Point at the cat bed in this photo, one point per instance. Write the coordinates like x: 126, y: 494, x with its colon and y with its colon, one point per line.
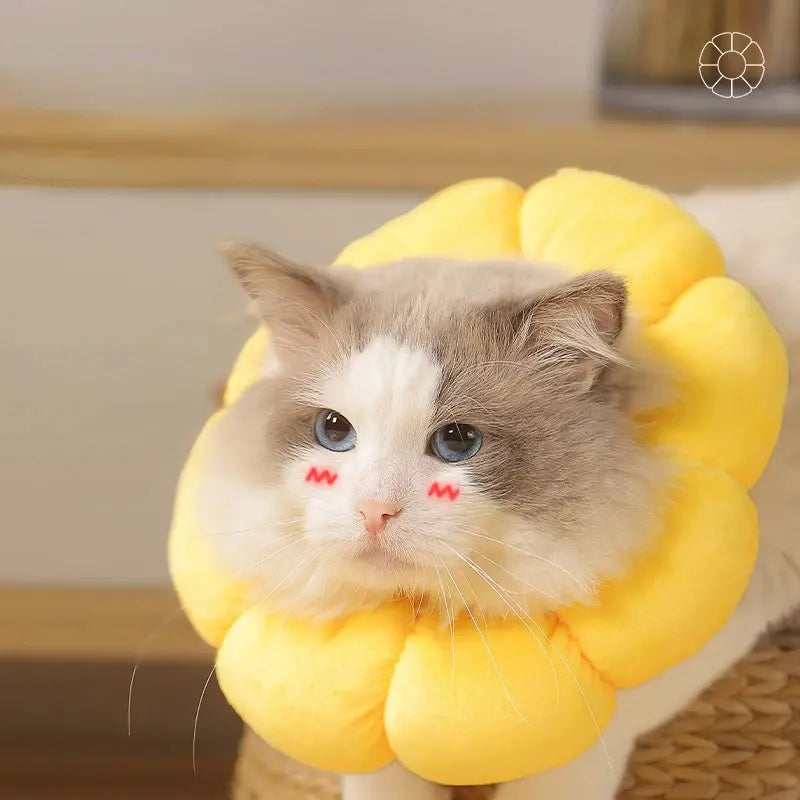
x: 740, y: 740
x: 351, y: 696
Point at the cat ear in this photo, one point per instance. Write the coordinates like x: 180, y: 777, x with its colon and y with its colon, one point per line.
x: 293, y: 300
x: 573, y: 327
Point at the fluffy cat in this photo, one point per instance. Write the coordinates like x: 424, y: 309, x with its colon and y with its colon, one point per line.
x: 463, y: 434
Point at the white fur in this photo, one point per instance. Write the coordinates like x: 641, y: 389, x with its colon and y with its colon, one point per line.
x: 758, y: 231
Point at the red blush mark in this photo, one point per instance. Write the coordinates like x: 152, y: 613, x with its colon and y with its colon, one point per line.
x: 320, y: 475
x: 442, y: 491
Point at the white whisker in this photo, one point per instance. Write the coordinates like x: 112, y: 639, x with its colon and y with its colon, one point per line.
x: 500, y: 592
x: 172, y: 616
x: 582, y: 693
x: 264, y: 526
x: 489, y: 652
x: 197, y: 718
x: 451, y: 623
x: 538, y: 557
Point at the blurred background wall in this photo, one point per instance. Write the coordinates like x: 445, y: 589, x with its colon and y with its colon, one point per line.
x: 243, y: 54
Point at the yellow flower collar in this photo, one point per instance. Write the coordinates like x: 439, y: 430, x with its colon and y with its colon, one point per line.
x: 353, y: 695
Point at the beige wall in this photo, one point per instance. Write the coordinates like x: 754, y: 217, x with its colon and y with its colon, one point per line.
x: 267, y: 54
x: 117, y: 320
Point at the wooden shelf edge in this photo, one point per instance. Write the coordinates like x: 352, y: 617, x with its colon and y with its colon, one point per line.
x: 77, y: 623
x: 55, y: 148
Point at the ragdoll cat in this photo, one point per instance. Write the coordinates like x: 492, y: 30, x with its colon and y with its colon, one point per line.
x: 461, y: 433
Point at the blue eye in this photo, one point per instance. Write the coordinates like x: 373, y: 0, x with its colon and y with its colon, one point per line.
x: 456, y: 442
x: 333, y: 431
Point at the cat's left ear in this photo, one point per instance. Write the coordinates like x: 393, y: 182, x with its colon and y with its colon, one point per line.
x: 293, y: 300
x: 573, y: 328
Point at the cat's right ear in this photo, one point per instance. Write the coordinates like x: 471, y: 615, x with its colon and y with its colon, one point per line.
x: 293, y: 300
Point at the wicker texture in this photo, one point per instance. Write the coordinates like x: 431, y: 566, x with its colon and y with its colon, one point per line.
x: 739, y: 740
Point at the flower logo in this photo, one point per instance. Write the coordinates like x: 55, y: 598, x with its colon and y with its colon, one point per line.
x: 731, y: 64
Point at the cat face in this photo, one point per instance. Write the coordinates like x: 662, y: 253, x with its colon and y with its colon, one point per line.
x: 458, y: 432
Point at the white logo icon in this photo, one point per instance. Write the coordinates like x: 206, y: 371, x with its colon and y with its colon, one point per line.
x: 731, y: 64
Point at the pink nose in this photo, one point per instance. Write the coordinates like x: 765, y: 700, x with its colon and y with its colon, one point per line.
x: 376, y: 513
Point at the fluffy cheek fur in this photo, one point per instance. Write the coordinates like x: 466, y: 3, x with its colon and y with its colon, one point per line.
x: 304, y: 545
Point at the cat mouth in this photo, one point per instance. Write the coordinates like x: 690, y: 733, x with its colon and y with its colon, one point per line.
x: 376, y: 556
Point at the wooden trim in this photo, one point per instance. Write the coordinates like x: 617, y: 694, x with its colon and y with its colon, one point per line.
x: 104, y: 150
x: 96, y: 623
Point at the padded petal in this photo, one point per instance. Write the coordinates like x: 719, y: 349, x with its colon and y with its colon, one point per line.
x: 495, y: 705
x: 682, y: 590
x: 211, y: 596
x: 733, y: 377
x: 249, y: 365
x: 589, y: 221
x: 317, y: 692
x: 473, y: 219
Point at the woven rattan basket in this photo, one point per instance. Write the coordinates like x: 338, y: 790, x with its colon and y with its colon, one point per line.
x: 739, y: 740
